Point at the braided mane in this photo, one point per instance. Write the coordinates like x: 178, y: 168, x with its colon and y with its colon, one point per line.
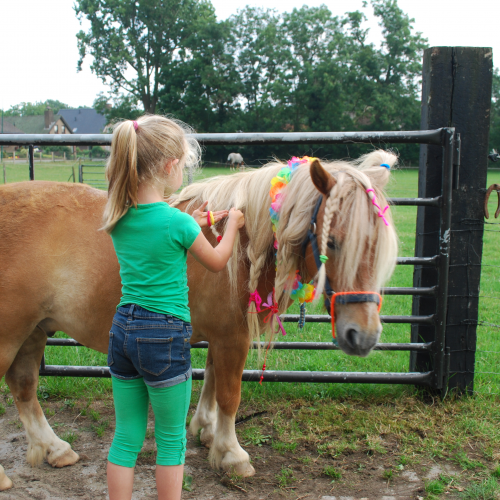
x: 249, y: 192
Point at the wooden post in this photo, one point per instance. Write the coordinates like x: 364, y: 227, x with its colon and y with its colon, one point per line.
x: 52, y: 156
x: 64, y: 156
x: 456, y: 92
x: 40, y: 157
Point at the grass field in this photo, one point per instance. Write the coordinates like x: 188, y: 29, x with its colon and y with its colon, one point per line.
x: 403, y: 184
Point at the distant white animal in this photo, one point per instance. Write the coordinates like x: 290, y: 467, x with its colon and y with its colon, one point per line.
x: 236, y: 160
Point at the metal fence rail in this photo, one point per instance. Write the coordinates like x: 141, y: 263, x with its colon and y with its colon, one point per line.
x: 444, y: 137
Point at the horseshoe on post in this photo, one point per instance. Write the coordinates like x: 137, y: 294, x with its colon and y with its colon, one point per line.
x: 493, y: 187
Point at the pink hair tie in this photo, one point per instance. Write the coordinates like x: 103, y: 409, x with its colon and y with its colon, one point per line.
x: 255, y: 297
x: 136, y: 125
x: 381, y: 213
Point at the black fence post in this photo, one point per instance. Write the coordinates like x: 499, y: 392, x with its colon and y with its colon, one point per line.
x: 31, y: 154
x: 456, y: 92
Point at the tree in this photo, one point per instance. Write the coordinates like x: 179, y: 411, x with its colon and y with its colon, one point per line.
x: 122, y: 107
x: 495, y: 112
x: 132, y: 40
x: 203, y: 86
x: 35, y: 108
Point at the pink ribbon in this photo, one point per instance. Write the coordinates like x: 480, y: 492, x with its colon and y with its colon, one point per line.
x: 255, y: 297
x: 272, y: 306
x: 381, y: 213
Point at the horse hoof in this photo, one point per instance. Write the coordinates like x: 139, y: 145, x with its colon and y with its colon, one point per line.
x: 5, y: 482
x: 243, y: 469
x: 207, y: 438
x: 67, y: 457
x: 230, y: 463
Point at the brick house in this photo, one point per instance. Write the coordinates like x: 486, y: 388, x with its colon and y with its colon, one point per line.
x: 8, y: 128
x: 38, y: 124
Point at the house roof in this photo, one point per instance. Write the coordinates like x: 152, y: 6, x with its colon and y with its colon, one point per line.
x: 34, y: 124
x: 84, y: 120
x: 8, y: 128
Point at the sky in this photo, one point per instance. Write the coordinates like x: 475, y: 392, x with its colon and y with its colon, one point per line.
x: 39, y: 55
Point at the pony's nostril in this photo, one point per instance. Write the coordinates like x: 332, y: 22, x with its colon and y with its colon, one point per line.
x: 352, y: 337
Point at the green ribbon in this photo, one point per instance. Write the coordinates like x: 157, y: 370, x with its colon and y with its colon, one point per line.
x: 323, y: 258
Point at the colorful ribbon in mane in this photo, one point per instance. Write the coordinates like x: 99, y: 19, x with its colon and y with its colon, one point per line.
x: 272, y: 306
x: 381, y: 213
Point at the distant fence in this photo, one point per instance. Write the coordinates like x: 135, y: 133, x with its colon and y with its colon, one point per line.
x: 93, y: 175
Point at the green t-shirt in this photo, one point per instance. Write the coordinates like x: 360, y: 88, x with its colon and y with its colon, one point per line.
x: 151, y: 243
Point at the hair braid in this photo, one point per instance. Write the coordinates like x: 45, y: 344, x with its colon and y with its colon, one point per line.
x: 330, y: 206
x: 257, y: 263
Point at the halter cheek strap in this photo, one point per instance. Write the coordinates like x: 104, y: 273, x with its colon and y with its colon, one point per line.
x: 340, y: 298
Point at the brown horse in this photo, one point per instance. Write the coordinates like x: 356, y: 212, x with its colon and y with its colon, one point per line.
x: 59, y: 272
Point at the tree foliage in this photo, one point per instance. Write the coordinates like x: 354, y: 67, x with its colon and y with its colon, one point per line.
x: 132, y: 40
x: 260, y: 70
x: 121, y: 107
x: 35, y: 108
x: 495, y: 112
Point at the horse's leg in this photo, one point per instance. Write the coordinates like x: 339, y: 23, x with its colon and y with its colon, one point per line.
x: 229, y: 361
x: 6, y: 359
x: 206, y: 413
x: 22, y: 379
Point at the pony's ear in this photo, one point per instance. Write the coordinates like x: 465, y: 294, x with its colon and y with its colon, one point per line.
x: 323, y: 181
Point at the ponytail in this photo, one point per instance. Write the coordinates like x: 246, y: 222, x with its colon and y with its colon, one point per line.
x: 121, y: 172
x: 139, y: 151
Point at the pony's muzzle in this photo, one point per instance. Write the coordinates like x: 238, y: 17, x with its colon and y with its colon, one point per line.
x: 356, y: 341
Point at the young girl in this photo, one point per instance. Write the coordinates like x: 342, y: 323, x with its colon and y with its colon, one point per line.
x: 149, y: 351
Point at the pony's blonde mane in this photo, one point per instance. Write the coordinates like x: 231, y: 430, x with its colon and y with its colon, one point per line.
x: 249, y: 192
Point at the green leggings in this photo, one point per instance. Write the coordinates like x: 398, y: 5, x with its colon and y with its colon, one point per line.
x: 170, y: 406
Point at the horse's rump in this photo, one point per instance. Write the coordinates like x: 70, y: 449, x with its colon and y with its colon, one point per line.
x: 54, y: 258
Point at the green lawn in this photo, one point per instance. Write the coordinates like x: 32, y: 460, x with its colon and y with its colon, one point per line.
x: 404, y: 184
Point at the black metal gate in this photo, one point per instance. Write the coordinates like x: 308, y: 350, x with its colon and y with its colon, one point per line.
x: 437, y: 375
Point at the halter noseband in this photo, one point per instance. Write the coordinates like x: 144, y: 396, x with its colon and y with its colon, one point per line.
x: 333, y: 298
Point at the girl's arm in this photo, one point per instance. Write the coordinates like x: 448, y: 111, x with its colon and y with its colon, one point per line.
x: 215, y: 259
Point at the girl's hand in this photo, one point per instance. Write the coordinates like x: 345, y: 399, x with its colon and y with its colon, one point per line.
x: 201, y: 217
x: 236, y: 217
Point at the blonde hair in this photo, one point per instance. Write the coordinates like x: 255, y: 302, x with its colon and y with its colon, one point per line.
x: 140, y: 155
x: 249, y: 191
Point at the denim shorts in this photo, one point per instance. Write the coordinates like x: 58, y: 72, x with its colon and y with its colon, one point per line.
x: 149, y: 345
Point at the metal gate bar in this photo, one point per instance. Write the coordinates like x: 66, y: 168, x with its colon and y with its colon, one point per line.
x: 421, y: 378
x: 444, y: 137
x: 308, y: 346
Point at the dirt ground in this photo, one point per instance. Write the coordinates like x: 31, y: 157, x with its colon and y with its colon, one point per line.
x: 279, y: 475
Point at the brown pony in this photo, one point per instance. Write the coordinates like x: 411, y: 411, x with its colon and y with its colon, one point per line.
x: 59, y: 272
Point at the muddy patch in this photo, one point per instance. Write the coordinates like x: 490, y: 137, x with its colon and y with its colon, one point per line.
x: 281, y: 472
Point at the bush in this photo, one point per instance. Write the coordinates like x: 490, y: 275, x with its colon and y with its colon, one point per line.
x: 99, y: 152
x: 59, y: 150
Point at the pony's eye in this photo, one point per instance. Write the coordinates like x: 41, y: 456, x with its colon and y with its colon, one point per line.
x: 332, y: 244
